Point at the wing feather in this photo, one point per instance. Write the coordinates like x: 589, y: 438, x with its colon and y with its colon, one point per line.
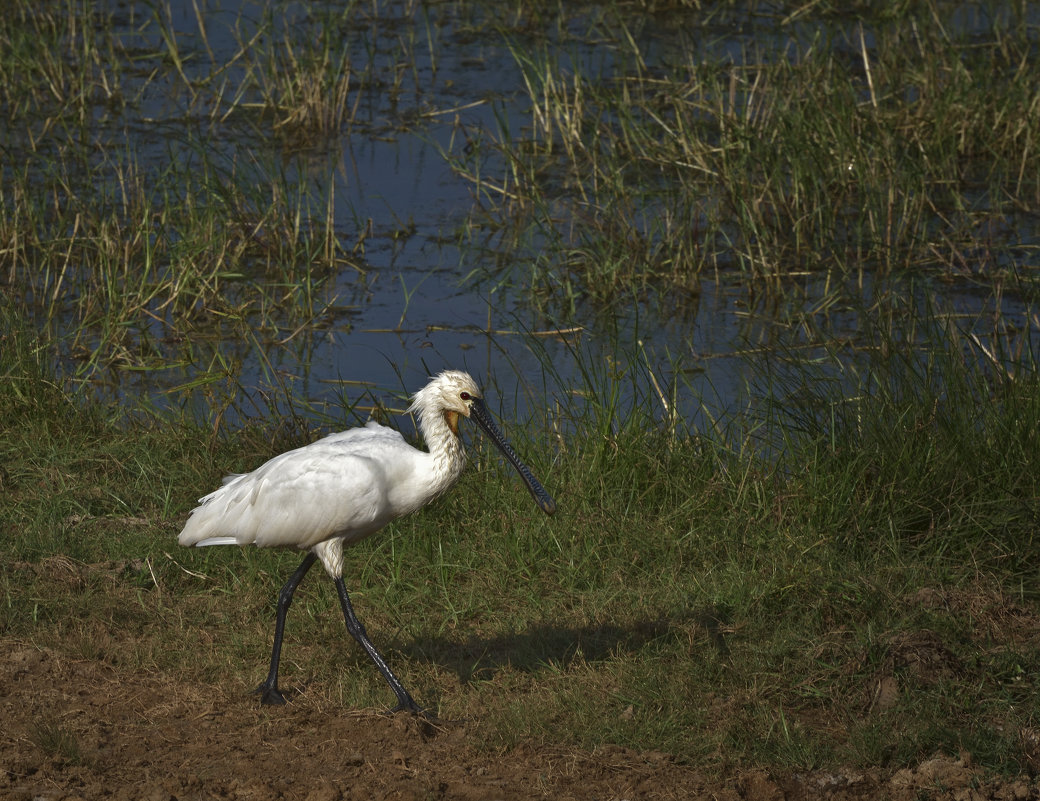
x: 342, y: 485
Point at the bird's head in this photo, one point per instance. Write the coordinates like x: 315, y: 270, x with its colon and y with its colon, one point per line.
x: 450, y: 394
x: 455, y: 394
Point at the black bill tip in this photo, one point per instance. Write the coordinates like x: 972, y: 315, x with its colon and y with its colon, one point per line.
x: 546, y: 502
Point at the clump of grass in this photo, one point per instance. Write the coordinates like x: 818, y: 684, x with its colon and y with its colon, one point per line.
x: 58, y: 63
x: 309, y: 82
x: 119, y: 275
x: 57, y: 741
x: 137, y: 253
x: 830, y: 145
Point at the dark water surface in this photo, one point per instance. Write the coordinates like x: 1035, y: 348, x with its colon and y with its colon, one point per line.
x: 426, y: 297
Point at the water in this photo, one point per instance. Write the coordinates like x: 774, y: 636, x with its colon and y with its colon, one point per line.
x: 414, y: 306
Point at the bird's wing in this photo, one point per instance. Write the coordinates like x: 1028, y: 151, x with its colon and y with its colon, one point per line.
x: 337, y: 486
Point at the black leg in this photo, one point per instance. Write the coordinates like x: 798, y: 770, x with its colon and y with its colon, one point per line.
x: 269, y: 689
x: 357, y: 631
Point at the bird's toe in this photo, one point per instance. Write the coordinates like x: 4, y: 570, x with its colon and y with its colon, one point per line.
x: 407, y: 705
x: 269, y: 696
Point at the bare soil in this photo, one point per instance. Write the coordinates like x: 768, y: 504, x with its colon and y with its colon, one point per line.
x: 83, y: 729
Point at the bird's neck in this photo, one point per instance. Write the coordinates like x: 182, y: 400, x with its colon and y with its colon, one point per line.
x: 444, y: 445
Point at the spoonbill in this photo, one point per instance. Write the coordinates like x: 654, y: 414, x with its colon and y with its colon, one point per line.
x: 342, y: 488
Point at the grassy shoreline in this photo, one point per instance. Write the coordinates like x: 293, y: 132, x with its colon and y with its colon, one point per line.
x: 868, y: 597
x: 843, y: 572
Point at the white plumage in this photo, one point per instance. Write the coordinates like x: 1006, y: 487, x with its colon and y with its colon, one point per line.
x: 344, y: 487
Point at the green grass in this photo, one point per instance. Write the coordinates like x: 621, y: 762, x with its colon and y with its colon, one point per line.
x: 159, y: 210
x: 58, y: 742
x: 724, y: 603
x: 829, y: 144
x: 840, y: 572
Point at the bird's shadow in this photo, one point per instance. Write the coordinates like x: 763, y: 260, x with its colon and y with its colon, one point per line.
x: 545, y: 646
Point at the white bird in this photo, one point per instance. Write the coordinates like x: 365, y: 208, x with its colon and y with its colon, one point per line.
x: 342, y: 488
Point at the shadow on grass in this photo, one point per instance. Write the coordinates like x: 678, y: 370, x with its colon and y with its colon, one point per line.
x: 547, y: 646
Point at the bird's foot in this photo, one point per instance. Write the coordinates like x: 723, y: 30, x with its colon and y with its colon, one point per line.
x: 415, y: 718
x: 269, y: 695
x: 406, y: 704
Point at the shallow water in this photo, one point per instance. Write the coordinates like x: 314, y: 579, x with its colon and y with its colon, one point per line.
x: 419, y: 307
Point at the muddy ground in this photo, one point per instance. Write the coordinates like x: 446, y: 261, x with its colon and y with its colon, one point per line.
x: 80, y: 729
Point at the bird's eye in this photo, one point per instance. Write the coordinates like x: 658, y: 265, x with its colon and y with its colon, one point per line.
x: 464, y: 395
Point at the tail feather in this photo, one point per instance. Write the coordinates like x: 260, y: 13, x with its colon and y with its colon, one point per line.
x: 216, y: 541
